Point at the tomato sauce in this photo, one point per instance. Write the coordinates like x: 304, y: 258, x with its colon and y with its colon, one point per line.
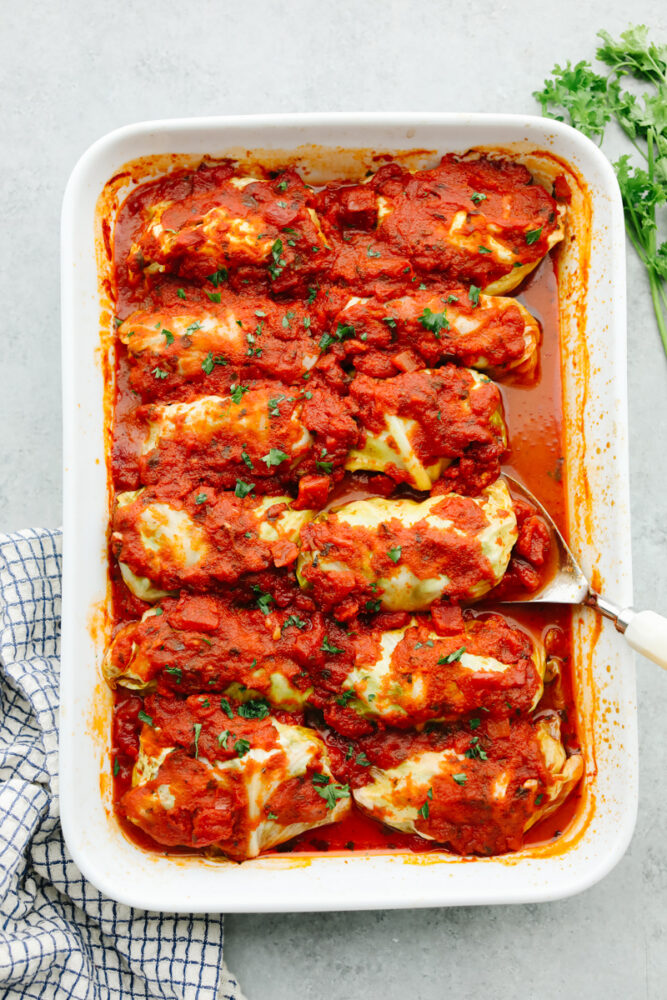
x: 310, y: 275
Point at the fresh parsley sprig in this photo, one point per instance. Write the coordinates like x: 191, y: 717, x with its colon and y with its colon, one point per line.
x: 589, y: 101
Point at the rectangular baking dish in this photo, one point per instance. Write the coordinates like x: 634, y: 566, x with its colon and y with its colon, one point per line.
x: 592, y: 317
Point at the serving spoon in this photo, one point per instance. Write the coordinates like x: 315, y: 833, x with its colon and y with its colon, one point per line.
x: 645, y: 631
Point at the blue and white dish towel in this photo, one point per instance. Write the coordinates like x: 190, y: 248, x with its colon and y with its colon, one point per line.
x: 60, y: 939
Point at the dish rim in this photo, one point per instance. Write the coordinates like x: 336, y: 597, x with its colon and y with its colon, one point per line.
x: 333, y: 888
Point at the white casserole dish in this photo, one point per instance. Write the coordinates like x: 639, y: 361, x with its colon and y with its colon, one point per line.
x: 594, y: 378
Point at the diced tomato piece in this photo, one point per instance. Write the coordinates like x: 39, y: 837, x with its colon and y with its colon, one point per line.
x: 284, y: 553
x: 562, y: 190
x: 313, y: 492
x: 405, y: 361
x: 534, y: 541
x: 358, y: 207
x: 198, y: 613
x: 498, y: 728
x: 447, y: 618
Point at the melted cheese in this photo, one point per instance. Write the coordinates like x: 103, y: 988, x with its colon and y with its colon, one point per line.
x: 245, y: 238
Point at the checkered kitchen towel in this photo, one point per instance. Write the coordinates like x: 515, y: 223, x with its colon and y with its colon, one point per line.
x: 59, y: 938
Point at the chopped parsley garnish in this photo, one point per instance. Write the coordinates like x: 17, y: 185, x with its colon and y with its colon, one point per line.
x: 256, y: 708
x: 237, y: 392
x: 326, y: 467
x: 193, y: 327
x: 282, y: 185
x: 116, y: 767
x: 144, y: 717
x: 452, y: 298
x: 373, y: 606
x: 175, y: 672
x: 242, y: 747
x: 214, y: 296
x: 453, y: 657
x: 346, y: 697
x: 483, y: 250
x: 331, y: 793
x: 201, y: 498
x: 370, y: 252
x: 226, y: 708
x: 362, y: 760
x: 159, y: 373
x: 168, y: 335
x: 460, y: 778
x: 343, y: 332
x: 223, y: 737
x: 295, y: 621
x: 218, y: 276
x: 533, y: 235
x: 395, y: 553
x: 473, y: 294
x: 434, y: 321
x: 312, y: 294
x: 197, y: 729
x: 477, y: 196
x: 180, y: 292
x: 279, y: 262
x: 475, y: 723
x: 211, y: 360
x: 245, y: 457
x: 272, y: 816
x: 274, y: 456
x: 264, y: 600
x: 328, y: 647
x: 475, y: 751
x: 538, y: 799
x: 241, y: 490
x: 390, y: 321
x: 274, y: 405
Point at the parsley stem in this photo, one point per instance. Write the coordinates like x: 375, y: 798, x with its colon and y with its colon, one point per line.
x: 656, y: 293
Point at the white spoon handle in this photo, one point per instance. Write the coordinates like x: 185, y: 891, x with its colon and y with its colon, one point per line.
x: 647, y: 633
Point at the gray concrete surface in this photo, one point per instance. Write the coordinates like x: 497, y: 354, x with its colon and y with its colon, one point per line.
x: 70, y: 72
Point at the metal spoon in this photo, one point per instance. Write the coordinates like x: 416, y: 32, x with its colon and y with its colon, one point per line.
x: 645, y: 631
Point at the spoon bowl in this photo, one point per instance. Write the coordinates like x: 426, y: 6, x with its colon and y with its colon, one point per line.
x: 645, y: 631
